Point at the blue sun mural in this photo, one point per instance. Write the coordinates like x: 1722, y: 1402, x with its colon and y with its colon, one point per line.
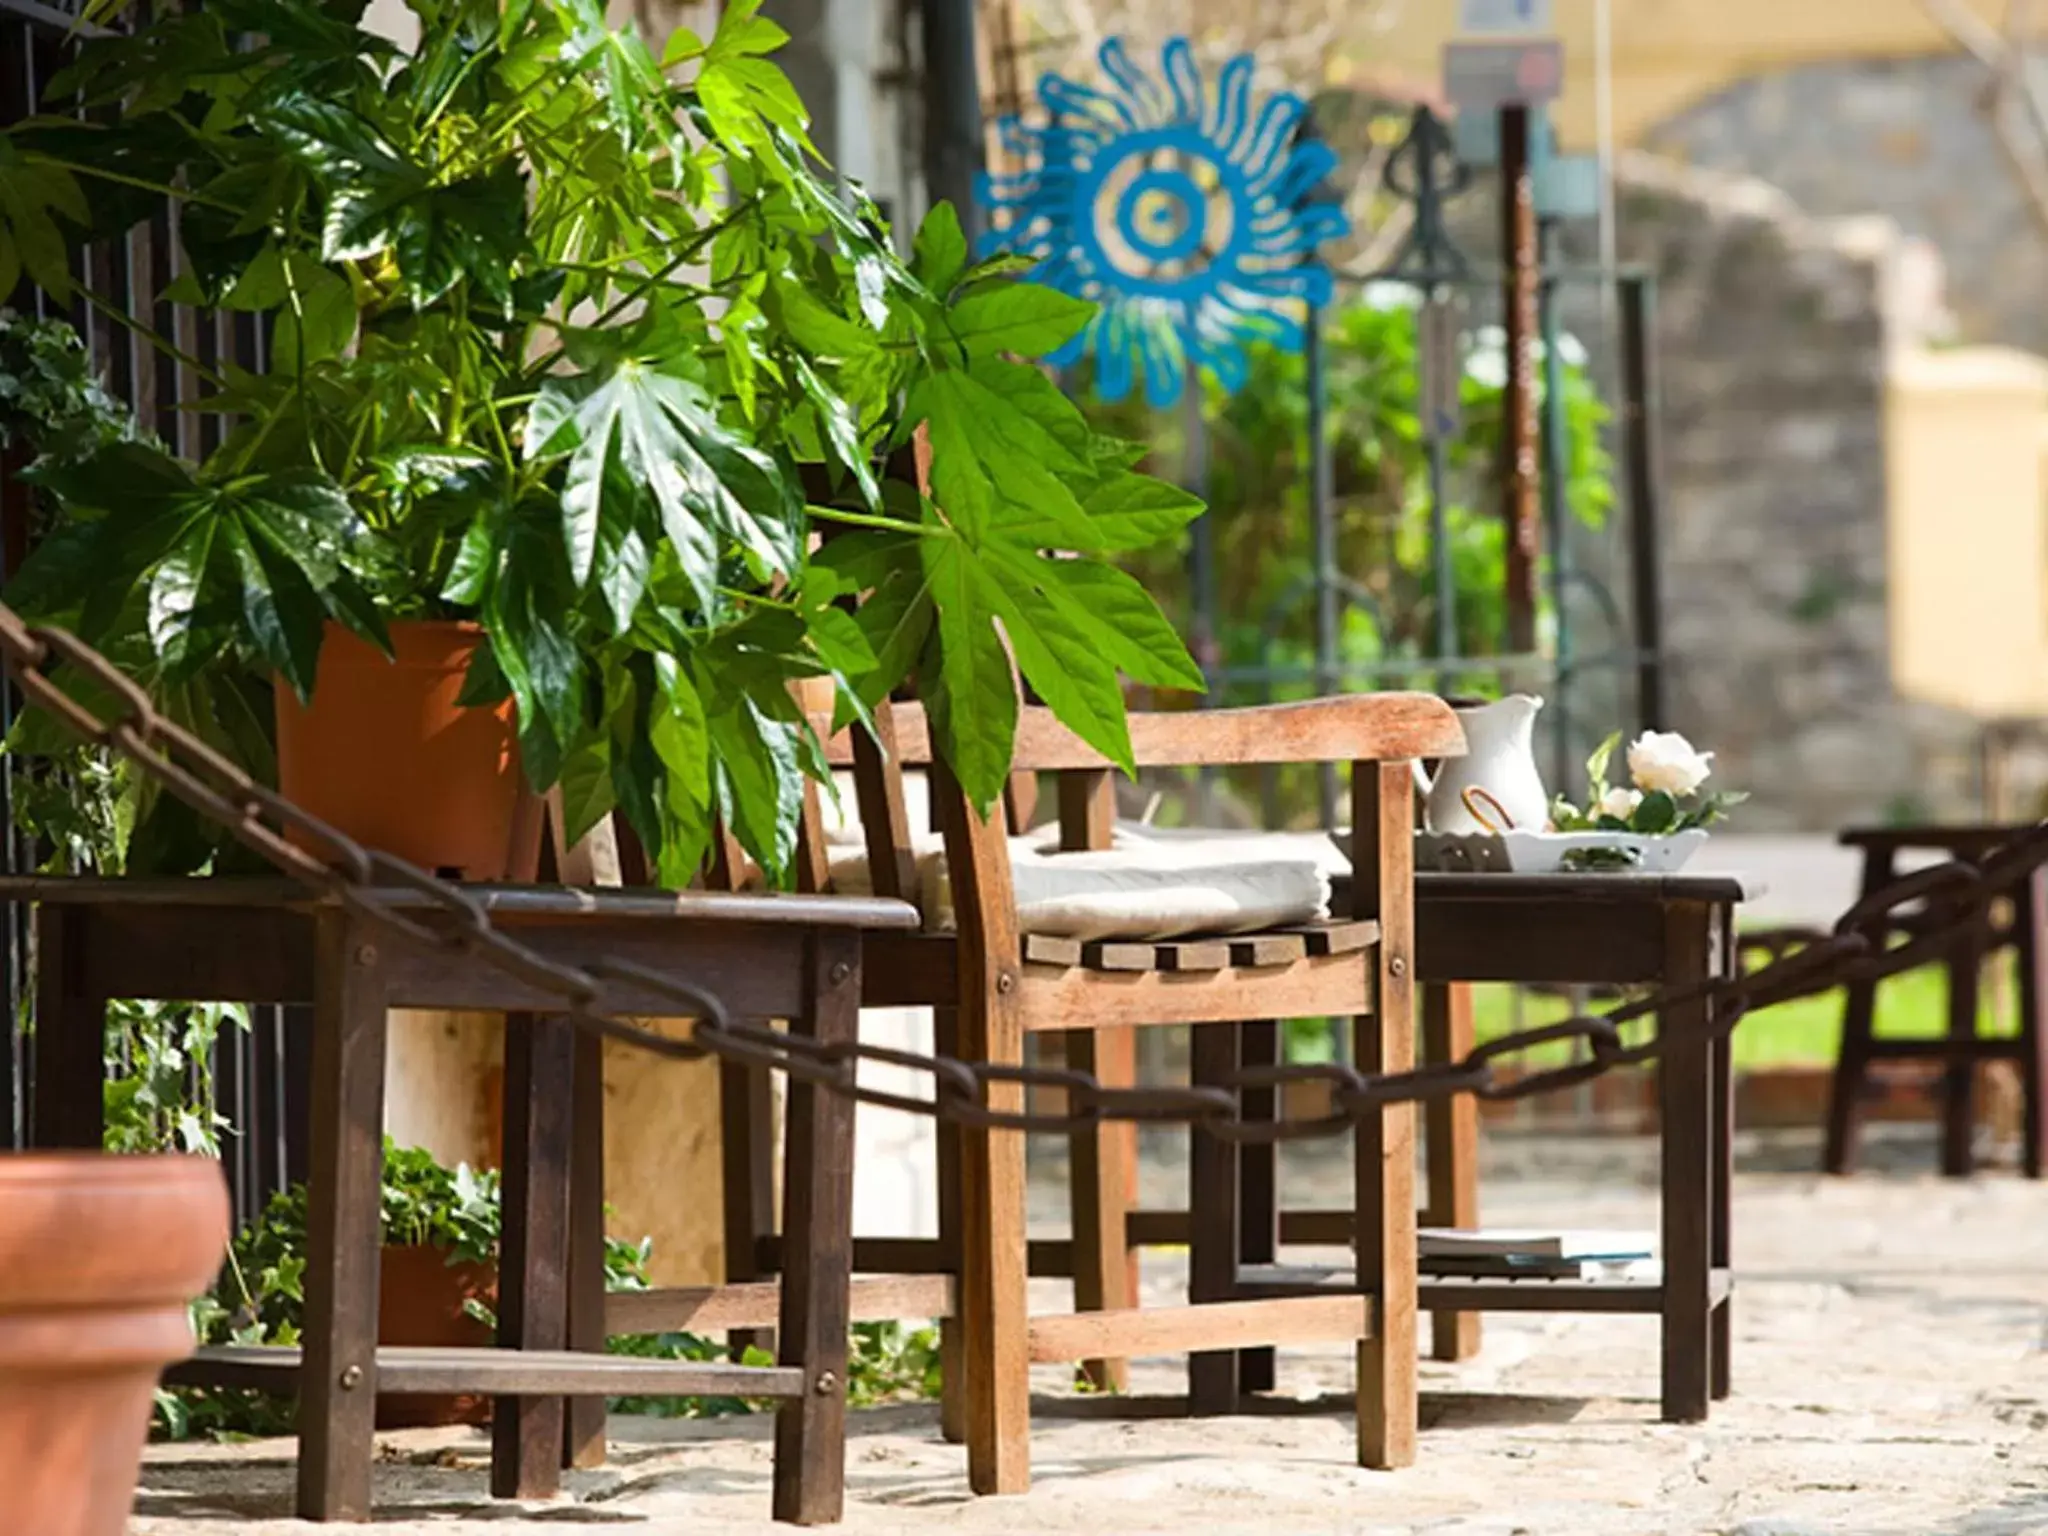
x: 1186, y: 212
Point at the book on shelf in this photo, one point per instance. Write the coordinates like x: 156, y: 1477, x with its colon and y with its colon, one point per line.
x: 1534, y: 1244
x: 1499, y: 1266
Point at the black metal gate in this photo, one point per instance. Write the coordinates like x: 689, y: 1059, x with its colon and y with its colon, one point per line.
x: 259, y: 1074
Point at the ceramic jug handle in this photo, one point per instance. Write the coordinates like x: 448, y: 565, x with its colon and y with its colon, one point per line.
x: 1477, y: 792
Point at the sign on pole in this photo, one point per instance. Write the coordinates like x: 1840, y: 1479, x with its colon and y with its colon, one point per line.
x: 1504, y: 18
x: 1484, y: 77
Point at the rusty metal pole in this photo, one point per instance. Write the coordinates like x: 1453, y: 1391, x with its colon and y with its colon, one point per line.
x: 1520, y: 510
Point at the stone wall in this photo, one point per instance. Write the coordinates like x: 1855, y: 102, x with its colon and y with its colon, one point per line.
x: 1772, y: 333
x: 1904, y: 138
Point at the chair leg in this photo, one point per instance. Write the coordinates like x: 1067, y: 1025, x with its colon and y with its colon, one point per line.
x: 817, y: 1267
x: 1212, y: 1223
x: 952, y: 1356
x: 1852, y: 1067
x: 1098, y: 1199
x: 996, y: 1368
x: 1258, y: 1226
x: 1451, y: 1151
x: 2031, y: 912
x: 1959, y: 1100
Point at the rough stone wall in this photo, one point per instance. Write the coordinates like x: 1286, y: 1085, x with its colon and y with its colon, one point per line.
x: 1772, y: 329
x: 1772, y: 332
x: 1904, y: 138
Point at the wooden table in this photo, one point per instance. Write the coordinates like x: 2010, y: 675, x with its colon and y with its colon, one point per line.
x: 1962, y: 1047
x: 265, y: 941
x: 1635, y: 930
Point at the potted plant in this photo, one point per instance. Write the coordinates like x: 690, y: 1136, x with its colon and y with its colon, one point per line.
x: 575, y: 346
x: 99, y: 1256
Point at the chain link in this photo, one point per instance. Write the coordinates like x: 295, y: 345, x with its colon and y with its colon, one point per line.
x: 1920, y: 917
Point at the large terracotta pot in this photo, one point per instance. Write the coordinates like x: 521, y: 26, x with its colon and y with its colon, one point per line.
x: 419, y: 1302
x: 385, y: 754
x: 99, y: 1256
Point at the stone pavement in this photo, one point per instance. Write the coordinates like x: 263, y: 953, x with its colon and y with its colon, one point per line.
x: 1891, y: 1380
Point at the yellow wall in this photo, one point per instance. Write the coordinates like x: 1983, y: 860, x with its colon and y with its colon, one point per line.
x: 1967, y: 529
x: 1667, y: 53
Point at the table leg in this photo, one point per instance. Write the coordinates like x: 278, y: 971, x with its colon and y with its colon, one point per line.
x: 1212, y: 1222
x: 527, y: 1433
x: 1720, y: 1243
x: 1451, y: 1151
x: 1258, y: 1223
x: 817, y: 1260
x: 1959, y: 1099
x: 584, y: 1445
x: 1684, y: 1088
x: 69, y: 1101
x: 747, y: 1134
x: 337, y: 1414
x: 2029, y: 916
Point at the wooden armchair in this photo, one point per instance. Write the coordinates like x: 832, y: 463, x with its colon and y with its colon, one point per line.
x: 991, y: 985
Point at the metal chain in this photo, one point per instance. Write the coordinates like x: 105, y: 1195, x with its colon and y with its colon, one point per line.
x: 1929, y: 912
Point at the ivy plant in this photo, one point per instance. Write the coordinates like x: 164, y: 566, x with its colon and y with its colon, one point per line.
x: 573, y: 336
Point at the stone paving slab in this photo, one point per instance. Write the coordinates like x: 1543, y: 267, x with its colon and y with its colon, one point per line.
x: 1891, y: 1380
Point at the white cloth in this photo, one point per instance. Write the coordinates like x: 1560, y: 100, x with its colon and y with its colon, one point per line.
x: 1151, y: 884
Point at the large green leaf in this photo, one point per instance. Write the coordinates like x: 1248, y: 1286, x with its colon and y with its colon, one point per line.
x: 967, y: 684
x: 1027, y: 319
x: 645, y: 447
x: 1136, y: 512
x: 33, y: 194
x: 440, y: 229
x: 1123, y: 621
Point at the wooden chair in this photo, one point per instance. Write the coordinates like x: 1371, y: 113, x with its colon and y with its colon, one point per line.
x: 992, y: 985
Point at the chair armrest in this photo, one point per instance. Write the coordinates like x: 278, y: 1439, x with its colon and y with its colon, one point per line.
x: 1350, y: 727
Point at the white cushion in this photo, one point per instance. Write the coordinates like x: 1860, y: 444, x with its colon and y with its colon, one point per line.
x: 1149, y: 885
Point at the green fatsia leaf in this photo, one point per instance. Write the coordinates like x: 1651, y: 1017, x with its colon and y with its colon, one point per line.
x: 1123, y: 621
x: 966, y: 680
x: 587, y: 792
x: 990, y: 459
x: 526, y: 601
x: 759, y: 779
x: 630, y: 79
x: 1136, y: 511
x: 255, y: 560
x: 439, y: 231
x: 841, y: 431
x: 317, y: 315
x: 1059, y: 650
x: 939, y: 254
x: 681, y: 739
x: 33, y: 195
x: 644, y: 446
x: 1027, y: 319
x: 896, y: 621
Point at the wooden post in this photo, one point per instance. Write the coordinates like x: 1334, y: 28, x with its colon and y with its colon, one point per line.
x: 1520, y: 509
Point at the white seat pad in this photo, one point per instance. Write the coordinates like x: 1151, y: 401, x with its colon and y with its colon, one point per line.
x: 1149, y: 885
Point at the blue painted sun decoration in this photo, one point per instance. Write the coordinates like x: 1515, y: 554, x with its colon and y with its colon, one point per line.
x: 1184, y: 212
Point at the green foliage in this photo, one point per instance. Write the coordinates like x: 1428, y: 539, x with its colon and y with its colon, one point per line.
x: 575, y: 338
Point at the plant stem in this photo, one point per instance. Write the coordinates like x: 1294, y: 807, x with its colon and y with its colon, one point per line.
x: 155, y: 338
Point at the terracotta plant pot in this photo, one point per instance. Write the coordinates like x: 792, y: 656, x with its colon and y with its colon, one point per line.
x: 385, y: 754
x: 419, y: 1302
x: 99, y: 1256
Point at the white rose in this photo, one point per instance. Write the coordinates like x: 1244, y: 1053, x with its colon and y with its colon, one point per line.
x: 1666, y: 760
x: 1620, y: 803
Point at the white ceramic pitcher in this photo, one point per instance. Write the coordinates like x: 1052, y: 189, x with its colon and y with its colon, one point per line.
x: 1495, y: 786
